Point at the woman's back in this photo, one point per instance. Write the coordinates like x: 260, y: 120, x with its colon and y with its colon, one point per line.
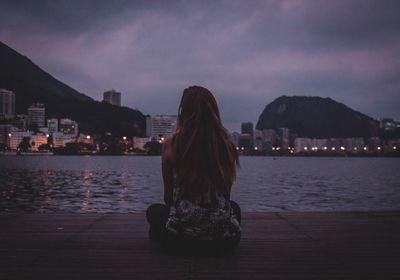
x: 208, y: 216
x: 199, y: 166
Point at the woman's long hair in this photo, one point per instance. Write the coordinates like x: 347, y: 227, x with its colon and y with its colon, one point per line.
x: 205, y: 159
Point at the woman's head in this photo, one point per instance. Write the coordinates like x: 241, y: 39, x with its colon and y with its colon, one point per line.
x: 204, y: 155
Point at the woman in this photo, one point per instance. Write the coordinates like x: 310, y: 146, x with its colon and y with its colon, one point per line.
x: 199, y: 167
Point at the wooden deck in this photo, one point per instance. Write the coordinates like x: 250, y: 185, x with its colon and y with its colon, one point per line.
x: 328, y: 245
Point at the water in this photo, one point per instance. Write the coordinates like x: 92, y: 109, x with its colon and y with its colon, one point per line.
x: 130, y: 184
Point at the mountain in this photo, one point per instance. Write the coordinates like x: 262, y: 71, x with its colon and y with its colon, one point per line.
x: 316, y: 117
x: 31, y: 84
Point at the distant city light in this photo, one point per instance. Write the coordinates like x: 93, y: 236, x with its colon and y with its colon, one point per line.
x: 47, y: 135
x: 9, y: 134
x: 355, y: 148
x: 256, y: 148
x: 305, y: 148
x: 325, y: 148
x: 365, y: 148
x: 379, y: 148
x: 278, y: 148
x: 273, y: 148
x: 333, y: 148
x: 242, y: 148
x: 394, y: 147
x: 125, y: 138
x: 237, y: 148
x: 88, y: 137
x: 342, y: 148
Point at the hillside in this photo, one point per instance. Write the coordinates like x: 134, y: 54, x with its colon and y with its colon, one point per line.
x: 31, y: 84
x: 316, y: 117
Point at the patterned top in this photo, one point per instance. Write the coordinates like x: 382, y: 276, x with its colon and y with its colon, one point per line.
x: 208, y: 218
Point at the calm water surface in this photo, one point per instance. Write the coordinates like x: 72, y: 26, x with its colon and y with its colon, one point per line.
x: 130, y: 183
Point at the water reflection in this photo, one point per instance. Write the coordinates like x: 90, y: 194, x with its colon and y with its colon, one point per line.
x: 73, y: 191
x: 130, y: 184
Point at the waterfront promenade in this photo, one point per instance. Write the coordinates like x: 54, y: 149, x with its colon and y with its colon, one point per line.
x: 284, y: 245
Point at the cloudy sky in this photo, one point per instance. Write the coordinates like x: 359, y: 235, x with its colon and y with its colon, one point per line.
x: 246, y: 52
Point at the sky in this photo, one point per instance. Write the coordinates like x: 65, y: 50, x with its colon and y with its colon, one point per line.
x: 247, y: 53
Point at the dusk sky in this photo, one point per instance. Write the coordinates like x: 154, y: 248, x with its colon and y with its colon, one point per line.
x: 246, y: 52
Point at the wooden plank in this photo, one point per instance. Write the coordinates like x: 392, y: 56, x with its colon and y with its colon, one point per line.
x: 284, y: 245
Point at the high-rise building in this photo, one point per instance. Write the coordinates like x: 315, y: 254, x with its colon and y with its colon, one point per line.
x: 269, y: 139
x: 36, y: 115
x: 52, y: 125
x: 160, y: 125
x: 68, y: 126
x: 247, y: 128
x: 113, y: 97
x: 7, y: 104
x: 258, y: 140
x: 284, y: 137
x: 245, y: 142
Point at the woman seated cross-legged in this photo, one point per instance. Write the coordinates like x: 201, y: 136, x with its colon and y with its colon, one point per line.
x: 199, y: 167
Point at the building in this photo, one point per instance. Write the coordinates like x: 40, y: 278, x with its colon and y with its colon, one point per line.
x: 247, y: 128
x: 16, y: 138
x: 60, y: 139
x: 113, y: 97
x: 36, y: 140
x: 374, y: 144
x: 5, y: 130
x: 269, y: 138
x: 354, y: 145
x: 139, y: 142
x: 7, y: 104
x: 283, y: 134
x: 320, y: 144
x: 21, y: 122
x: 258, y: 140
x: 302, y: 145
x: 69, y: 127
x: 36, y: 115
x: 85, y: 139
x: 52, y: 125
x: 160, y: 126
x: 245, y: 142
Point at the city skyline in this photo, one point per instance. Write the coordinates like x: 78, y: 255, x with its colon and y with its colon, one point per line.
x: 241, y: 51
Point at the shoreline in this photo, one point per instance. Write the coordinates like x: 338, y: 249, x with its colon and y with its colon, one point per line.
x: 396, y: 155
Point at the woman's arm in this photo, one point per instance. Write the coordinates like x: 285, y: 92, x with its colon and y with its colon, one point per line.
x: 167, y: 171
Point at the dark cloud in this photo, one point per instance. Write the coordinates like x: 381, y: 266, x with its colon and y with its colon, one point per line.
x: 247, y: 52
